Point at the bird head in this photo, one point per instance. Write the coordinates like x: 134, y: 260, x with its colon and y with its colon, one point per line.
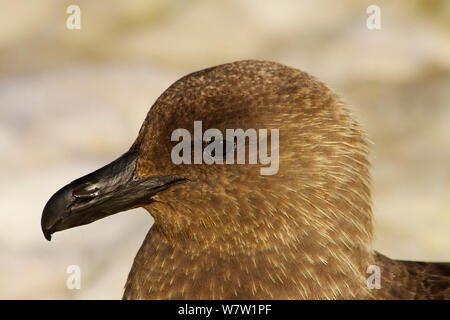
x: 303, y: 174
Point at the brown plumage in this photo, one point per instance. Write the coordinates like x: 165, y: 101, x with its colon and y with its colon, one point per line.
x: 228, y: 232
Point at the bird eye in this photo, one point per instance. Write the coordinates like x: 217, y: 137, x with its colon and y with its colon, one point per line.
x: 211, y: 146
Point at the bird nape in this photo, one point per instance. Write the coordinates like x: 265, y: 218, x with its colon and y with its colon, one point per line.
x: 224, y: 230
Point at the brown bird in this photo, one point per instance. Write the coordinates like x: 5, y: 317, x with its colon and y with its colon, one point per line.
x: 228, y: 231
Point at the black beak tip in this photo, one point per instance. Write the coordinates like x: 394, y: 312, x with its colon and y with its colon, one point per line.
x: 46, y: 230
x: 47, y: 234
x: 51, y: 215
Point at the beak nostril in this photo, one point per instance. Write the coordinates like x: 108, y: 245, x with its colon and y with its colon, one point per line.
x: 86, y: 194
x: 79, y: 200
x: 83, y: 197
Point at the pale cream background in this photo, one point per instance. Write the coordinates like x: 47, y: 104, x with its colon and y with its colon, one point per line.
x: 71, y: 101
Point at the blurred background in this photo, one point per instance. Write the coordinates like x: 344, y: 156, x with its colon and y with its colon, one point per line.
x: 74, y: 100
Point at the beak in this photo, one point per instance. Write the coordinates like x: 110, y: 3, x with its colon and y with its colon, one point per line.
x: 109, y: 190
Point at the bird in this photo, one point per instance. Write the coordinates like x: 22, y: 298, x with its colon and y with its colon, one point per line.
x: 225, y: 230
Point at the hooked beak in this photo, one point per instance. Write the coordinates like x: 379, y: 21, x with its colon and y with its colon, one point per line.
x: 106, y: 191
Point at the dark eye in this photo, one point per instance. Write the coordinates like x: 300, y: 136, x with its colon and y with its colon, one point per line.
x: 222, y: 144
